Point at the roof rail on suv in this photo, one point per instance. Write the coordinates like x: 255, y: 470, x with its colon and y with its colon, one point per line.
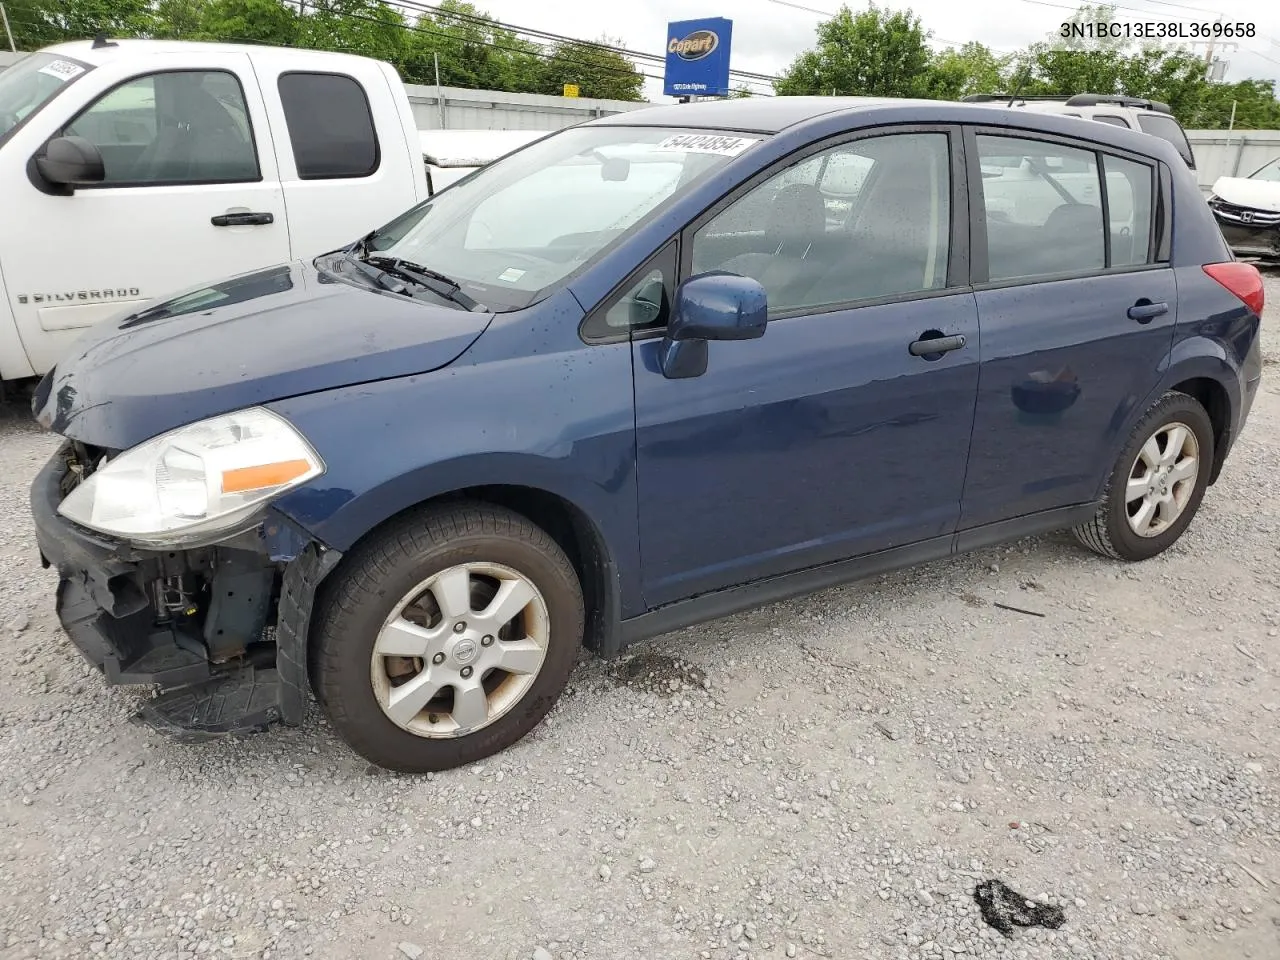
x: 990, y: 97
x: 1078, y: 100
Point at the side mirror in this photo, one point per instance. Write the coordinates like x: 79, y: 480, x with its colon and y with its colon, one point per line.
x: 711, y: 306
x: 71, y: 162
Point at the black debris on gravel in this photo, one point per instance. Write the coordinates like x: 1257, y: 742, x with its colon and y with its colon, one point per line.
x: 1004, y: 908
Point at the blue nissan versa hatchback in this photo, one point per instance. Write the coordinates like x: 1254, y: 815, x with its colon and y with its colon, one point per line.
x: 644, y: 372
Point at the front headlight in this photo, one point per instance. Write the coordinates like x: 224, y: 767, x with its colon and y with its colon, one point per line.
x: 196, y: 483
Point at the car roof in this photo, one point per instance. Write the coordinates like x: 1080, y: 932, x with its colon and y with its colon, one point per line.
x: 772, y: 115
x: 87, y: 52
x: 747, y: 114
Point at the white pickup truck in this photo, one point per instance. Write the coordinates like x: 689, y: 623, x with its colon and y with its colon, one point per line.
x: 131, y: 169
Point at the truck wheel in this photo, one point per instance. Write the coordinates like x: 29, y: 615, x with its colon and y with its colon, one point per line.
x: 1156, y: 485
x: 446, y: 638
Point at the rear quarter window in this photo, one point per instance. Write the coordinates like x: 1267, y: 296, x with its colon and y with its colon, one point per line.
x: 330, y: 126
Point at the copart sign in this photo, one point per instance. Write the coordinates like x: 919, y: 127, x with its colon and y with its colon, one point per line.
x: 698, y: 58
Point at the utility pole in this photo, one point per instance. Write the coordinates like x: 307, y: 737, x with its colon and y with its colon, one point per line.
x: 7, y: 32
x: 439, y: 93
x: 1212, y: 71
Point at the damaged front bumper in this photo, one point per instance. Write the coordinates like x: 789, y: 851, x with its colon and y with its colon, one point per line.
x: 1248, y: 232
x: 222, y: 629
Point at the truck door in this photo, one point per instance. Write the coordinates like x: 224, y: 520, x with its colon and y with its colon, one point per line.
x: 191, y: 193
x: 346, y: 165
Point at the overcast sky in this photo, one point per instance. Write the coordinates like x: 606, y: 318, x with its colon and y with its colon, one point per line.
x: 767, y: 34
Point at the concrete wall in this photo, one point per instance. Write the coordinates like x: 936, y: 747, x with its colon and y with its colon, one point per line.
x: 1235, y: 154
x: 492, y: 110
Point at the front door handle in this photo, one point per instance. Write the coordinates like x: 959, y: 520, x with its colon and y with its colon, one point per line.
x: 1144, y: 311
x: 932, y: 347
x: 242, y: 219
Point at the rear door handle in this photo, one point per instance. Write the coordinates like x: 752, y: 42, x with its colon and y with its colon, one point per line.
x: 1144, y: 311
x: 242, y: 219
x: 936, y: 346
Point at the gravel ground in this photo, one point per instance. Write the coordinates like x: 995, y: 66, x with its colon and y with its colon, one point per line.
x: 828, y: 777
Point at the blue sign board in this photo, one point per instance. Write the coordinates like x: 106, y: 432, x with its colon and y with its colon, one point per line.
x: 698, y: 58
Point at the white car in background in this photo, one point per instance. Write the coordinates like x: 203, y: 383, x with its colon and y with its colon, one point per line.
x: 1248, y: 211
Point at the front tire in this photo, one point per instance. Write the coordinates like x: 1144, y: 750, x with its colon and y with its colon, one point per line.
x: 446, y: 638
x: 1157, y: 483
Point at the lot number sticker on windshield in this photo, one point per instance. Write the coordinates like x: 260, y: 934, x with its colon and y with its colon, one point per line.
x: 707, y: 143
x: 62, y: 69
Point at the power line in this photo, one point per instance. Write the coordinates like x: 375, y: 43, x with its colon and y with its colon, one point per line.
x: 1181, y: 6
x: 540, y: 54
x: 798, y: 6
x: 1112, y: 6
x: 1259, y: 53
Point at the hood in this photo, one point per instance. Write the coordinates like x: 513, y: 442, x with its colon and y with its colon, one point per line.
x: 1243, y: 192
x: 261, y: 336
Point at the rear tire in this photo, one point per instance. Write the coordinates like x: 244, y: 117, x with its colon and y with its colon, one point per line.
x: 470, y: 601
x: 1157, y: 483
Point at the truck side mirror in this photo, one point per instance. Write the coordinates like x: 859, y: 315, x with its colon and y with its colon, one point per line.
x: 71, y: 162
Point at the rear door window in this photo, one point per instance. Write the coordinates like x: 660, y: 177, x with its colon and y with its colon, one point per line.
x: 1044, y: 208
x: 1108, y: 118
x: 1044, y: 215
x: 1166, y: 128
x: 330, y: 126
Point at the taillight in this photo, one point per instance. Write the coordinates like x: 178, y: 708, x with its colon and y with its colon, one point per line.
x: 1242, y: 279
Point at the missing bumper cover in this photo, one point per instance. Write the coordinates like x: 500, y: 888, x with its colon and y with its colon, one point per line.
x: 213, y: 656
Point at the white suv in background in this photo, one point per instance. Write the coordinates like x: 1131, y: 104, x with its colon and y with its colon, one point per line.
x: 1147, y: 116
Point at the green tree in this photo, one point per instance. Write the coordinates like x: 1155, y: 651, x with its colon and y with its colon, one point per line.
x: 1065, y: 66
x: 369, y: 28
x: 38, y: 23
x: 473, y: 51
x: 973, y: 68
x: 179, y: 19
x: 247, y: 21
x: 872, y: 53
x: 597, y: 72
x: 1256, y: 107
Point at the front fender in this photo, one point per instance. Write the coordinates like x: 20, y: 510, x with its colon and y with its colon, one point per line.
x: 561, y: 424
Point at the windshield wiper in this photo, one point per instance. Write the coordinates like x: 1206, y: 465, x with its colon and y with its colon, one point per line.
x: 433, y: 280
x: 380, y: 277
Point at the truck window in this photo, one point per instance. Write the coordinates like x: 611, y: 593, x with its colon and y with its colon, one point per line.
x: 187, y: 126
x: 1108, y: 118
x: 330, y: 125
x: 1166, y: 128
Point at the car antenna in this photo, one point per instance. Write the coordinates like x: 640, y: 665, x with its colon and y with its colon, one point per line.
x: 1026, y: 72
x: 101, y: 41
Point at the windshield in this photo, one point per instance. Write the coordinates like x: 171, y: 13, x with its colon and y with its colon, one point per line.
x: 31, y: 83
x: 526, y: 222
x: 1269, y: 172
